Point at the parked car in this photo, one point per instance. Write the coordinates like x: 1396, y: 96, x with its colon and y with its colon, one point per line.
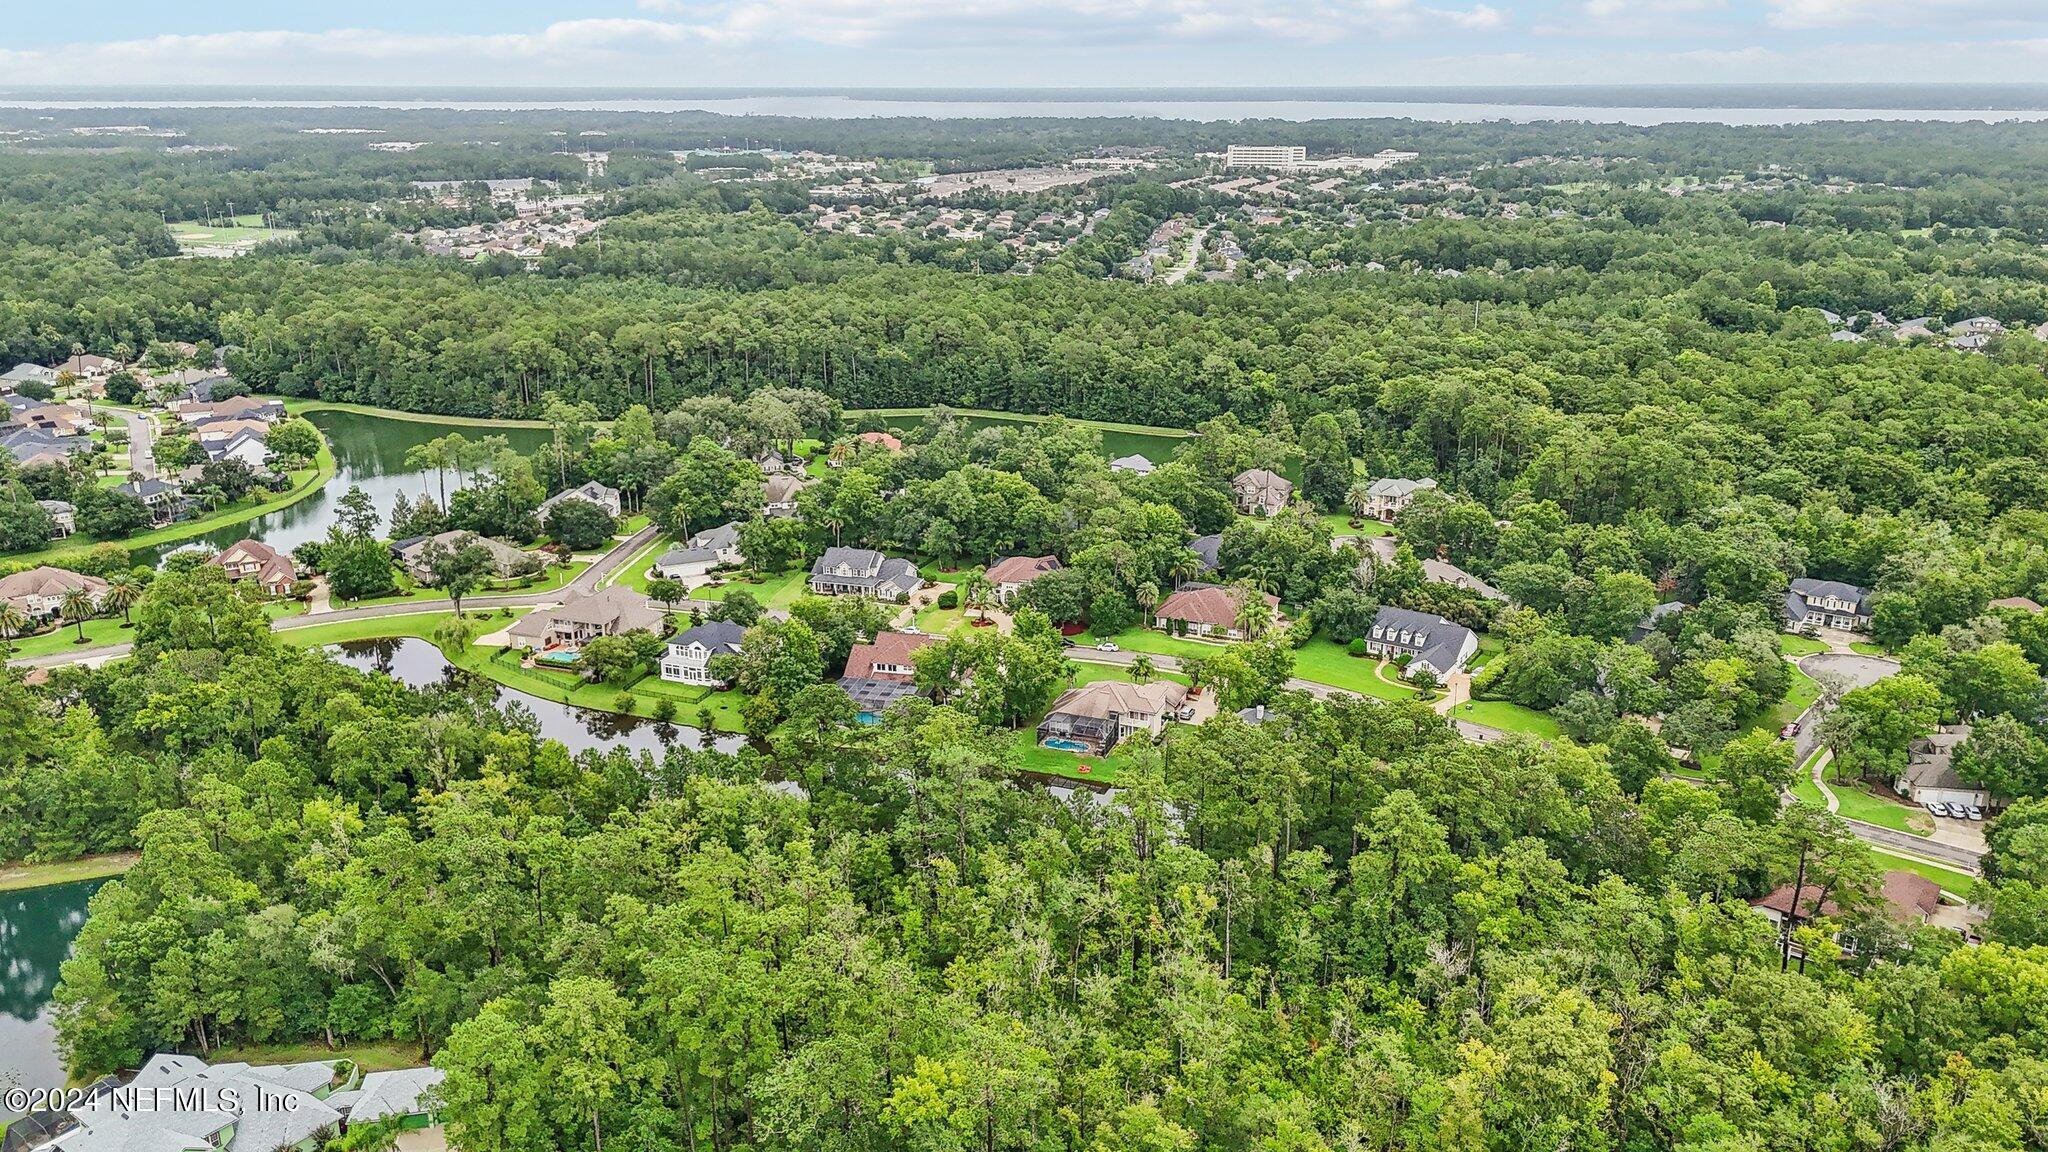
x: 1107, y: 646
x: 1973, y: 811
x: 1937, y: 808
x: 1789, y: 731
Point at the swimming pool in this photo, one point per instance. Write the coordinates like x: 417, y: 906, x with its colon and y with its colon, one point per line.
x: 557, y: 656
x: 1064, y: 745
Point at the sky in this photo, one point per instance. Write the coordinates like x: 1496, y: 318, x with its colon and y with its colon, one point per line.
x: 1021, y: 43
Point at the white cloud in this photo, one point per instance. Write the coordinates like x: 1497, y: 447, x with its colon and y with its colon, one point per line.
x: 1618, y: 9
x: 1946, y: 16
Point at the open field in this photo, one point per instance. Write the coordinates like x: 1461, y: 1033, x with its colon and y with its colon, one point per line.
x: 210, y: 238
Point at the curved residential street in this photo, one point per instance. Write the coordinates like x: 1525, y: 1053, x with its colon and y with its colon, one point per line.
x: 141, y: 440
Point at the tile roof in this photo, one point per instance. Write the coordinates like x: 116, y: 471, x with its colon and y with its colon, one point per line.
x: 886, y: 648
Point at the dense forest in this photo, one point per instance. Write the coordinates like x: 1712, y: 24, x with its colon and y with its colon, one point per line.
x: 1342, y: 926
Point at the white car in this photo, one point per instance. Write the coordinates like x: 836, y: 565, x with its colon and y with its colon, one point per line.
x: 1107, y: 646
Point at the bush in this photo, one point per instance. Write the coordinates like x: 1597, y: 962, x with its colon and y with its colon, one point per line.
x: 1356, y: 647
x: 623, y: 702
x: 665, y: 710
x: 950, y: 598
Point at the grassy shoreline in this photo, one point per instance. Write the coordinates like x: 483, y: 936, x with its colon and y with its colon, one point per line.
x: 20, y: 877
x: 858, y: 414
x: 323, y: 470
x: 300, y: 405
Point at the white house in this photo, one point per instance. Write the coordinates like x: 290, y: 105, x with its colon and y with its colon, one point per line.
x: 779, y: 493
x: 1930, y: 776
x: 1135, y: 464
x: 1811, y: 604
x: 39, y: 592
x: 248, y: 447
x: 863, y: 572
x: 689, y: 655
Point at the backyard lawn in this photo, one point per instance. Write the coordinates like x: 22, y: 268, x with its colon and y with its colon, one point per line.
x: 1339, y: 524
x: 1508, y: 717
x: 98, y: 633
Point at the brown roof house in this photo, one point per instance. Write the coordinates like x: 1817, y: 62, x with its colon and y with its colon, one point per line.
x: 1259, y: 492
x: 1095, y: 718
x: 1011, y: 574
x: 1905, y: 898
x: 1206, y: 610
x: 254, y: 560
x: 611, y: 611
x: 1930, y: 776
x: 39, y: 592
x: 881, y: 672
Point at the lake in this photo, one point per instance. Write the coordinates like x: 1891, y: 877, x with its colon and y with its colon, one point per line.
x: 418, y: 664
x: 37, y: 927
x: 369, y: 451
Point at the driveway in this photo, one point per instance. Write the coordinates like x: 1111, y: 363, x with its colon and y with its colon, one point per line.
x: 1848, y: 669
x: 141, y: 440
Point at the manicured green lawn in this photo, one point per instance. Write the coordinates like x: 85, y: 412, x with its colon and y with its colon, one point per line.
x: 1053, y: 762
x: 369, y: 1055
x: 1792, y: 645
x: 1864, y: 647
x: 1800, y: 696
x: 1960, y: 883
x: 299, y: 406
x: 1157, y: 643
x: 633, y: 573
x: 305, y: 482
x: 942, y: 621
x: 98, y: 633
x: 1854, y: 803
x: 1324, y: 661
x: 15, y: 877
x: 1807, y: 792
x: 1086, y: 673
x: 1339, y: 524
x: 777, y: 591
x: 1508, y: 717
x: 411, y: 592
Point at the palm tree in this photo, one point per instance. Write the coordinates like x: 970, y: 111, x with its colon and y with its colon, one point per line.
x: 122, y: 592
x: 1254, y: 615
x: 12, y: 621
x: 1359, y: 498
x: 1148, y: 599
x: 78, y: 607
x: 1142, y: 670
x: 974, y: 590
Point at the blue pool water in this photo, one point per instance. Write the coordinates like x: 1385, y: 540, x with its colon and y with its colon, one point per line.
x: 558, y: 656
x: 1064, y: 745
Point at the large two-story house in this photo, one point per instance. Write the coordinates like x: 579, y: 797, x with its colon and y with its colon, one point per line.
x: 863, y: 572
x: 882, y: 671
x: 1389, y: 496
x: 1095, y: 718
x: 1259, y: 492
x: 690, y: 652
x: 611, y: 611
x: 272, y: 570
x: 701, y: 554
x: 1427, y: 641
x: 1812, y: 604
x: 39, y: 592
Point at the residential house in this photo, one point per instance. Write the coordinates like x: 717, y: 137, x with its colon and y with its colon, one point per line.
x: 1814, y: 604
x: 1903, y: 898
x: 221, y: 429
x: 184, y: 386
x: 248, y: 447
x: 26, y: 373
x: 1977, y: 326
x: 1012, y: 574
x: 39, y: 592
x: 703, y: 553
x: 1971, y: 343
x: 1930, y: 775
x: 863, y: 572
x: 779, y: 493
x: 63, y: 517
x: 1095, y: 718
x: 87, y: 366
x: 690, y: 652
x: 881, y: 672
x: 1915, y: 328
x: 61, y: 419
x: 592, y: 492
x: 180, y: 1102
x: 1135, y: 464
x: 1654, y: 618
x: 1259, y: 492
x: 886, y: 441
x: 581, y: 618
x: 1381, y: 550
x: 164, y: 499
x: 410, y: 1096
x: 2017, y: 603
x: 273, y: 571
x: 1207, y: 610
x: 1208, y: 559
x: 413, y: 553
x: 1427, y: 642
x: 234, y: 407
x: 1844, y: 336
x: 1389, y: 496
x: 773, y: 462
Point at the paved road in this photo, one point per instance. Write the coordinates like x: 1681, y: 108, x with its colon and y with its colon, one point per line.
x: 1846, y: 668
x: 586, y: 581
x: 1180, y: 271
x: 141, y: 439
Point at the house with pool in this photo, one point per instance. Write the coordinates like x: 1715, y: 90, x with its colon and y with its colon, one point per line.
x: 1094, y: 718
x: 557, y: 635
x: 882, y: 672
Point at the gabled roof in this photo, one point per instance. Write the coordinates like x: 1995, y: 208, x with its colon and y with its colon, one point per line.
x: 1395, y: 486
x: 720, y: 539
x: 1135, y: 463
x: 1437, y: 642
x: 1021, y: 569
x: 1207, y: 548
x: 720, y: 636
x: 781, y: 488
x: 886, y: 648
x: 1104, y: 698
x: 399, y: 1092
x: 43, y: 580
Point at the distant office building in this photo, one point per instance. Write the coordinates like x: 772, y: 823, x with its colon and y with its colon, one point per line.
x: 1265, y: 156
